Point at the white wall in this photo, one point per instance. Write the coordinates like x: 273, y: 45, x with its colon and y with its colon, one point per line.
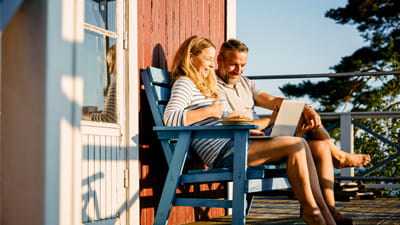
x: 133, y: 116
x: 231, y: 19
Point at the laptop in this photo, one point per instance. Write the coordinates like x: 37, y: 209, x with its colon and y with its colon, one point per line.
x: 287, y: 119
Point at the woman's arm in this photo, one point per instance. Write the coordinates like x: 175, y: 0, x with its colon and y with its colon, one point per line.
x: 109, y: 112
x: 184, y: 95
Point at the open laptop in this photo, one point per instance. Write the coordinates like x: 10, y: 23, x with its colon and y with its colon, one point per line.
x: 287, y: 119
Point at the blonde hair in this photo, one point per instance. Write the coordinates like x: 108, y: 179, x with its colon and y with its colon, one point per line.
x: 183, y: 67
x: 110, y: 59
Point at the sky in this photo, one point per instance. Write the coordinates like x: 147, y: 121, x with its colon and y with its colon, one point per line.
x: 292, y: 37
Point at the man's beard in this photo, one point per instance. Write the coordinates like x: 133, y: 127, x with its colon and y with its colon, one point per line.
x: 228, y: 80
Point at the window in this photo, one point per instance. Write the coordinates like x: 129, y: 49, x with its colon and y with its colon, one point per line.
x: 96, y: 61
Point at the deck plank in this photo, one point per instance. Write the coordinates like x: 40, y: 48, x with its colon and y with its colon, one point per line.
x: 282, y: 210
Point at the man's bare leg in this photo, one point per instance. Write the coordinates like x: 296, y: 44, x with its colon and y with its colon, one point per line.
x: 341, y: 159
x: 323, y: 163
x: 293, y: 151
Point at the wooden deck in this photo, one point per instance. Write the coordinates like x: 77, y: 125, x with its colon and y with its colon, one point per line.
x: 282, y: 210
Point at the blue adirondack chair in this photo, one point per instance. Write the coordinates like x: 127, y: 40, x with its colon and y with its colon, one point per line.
x: 175, y: 142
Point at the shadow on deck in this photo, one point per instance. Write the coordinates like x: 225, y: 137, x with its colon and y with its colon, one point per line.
x: 282, y: 210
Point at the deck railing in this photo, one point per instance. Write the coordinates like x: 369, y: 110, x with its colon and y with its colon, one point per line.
x: 345, y: 120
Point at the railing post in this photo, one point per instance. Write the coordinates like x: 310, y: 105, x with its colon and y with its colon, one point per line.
x: 346, y: 140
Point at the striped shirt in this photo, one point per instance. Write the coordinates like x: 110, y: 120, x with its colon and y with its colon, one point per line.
x: 109, y: 112
x: 184, y: 97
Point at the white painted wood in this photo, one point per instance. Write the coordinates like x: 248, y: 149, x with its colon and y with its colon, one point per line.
x: 346, y: 140
x: 105, y: 164
x: 230, y: 19
x: 132, y: 137
x: 106, y: 222
x: 85, y: 181
x: 107, y: 145
x: 108, y: 177
x: 103, y: 193
x: 91, y: 209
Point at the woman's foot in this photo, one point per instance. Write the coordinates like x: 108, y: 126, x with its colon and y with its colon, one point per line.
x: 339, y: 218
x: 312, y: 216
x: 351, y: 160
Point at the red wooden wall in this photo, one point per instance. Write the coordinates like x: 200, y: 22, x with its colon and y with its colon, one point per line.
x: 163, y: 26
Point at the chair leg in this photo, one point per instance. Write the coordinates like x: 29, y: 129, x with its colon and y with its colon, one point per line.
x: 172, y: 179
x: 249, y: 199
x: 239, y: 178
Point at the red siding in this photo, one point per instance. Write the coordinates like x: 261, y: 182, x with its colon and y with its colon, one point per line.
x: 163, y: 26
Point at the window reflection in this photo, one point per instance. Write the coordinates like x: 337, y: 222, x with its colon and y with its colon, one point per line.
x: 101, y: 13
x: 109, y: 111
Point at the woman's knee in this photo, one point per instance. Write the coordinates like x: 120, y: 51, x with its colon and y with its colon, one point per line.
x: 319, y: 149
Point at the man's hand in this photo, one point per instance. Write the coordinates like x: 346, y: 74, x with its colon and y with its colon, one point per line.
x: 311, y: 118
x: 265, y: 122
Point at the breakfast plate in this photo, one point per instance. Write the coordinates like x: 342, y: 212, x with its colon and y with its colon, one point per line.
x: 237, y: 122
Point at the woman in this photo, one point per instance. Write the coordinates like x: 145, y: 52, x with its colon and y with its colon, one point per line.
x: 109, y: 112
x: 193, y: 102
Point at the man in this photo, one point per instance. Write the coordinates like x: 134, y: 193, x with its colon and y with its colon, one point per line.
x: 242, y: 95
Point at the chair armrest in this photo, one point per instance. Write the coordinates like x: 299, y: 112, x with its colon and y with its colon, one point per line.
x: 167, y: 132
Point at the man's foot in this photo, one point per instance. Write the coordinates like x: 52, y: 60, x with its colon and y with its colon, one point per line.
x: 351, y: 160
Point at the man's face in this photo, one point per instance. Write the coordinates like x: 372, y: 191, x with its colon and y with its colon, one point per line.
x: 231, y: 65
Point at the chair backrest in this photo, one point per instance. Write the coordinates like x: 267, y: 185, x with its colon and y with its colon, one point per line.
x: 158, y: 89
x: 157, y: 86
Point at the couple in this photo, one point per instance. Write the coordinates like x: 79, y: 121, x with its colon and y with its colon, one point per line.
x: 197, y: 84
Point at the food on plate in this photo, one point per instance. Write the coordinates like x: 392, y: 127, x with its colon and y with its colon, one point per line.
x: 237, y: 118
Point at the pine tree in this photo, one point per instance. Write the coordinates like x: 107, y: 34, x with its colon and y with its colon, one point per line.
x: 378, y: 22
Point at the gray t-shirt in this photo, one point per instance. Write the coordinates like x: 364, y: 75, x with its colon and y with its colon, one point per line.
x: 241, y: 97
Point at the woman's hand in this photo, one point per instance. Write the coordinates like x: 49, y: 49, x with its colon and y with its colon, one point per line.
x: 256, y: 133
x: 215, y: 109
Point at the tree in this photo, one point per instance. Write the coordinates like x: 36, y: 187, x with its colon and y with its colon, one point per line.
x: 378, y: 22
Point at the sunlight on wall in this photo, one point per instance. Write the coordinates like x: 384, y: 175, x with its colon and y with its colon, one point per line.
x: 69, y: 179
x: 73, y: 12
x: 72, y: 88
x: 70, y: 156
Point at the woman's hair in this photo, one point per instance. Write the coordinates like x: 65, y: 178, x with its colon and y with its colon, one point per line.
x: 110, y: 59
x: 182, y: 65
x: 233, y: 45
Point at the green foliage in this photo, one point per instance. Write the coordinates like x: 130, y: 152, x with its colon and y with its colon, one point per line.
x: 378, y: 22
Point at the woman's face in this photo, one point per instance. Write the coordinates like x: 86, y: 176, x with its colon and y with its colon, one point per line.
x: 204, y: 62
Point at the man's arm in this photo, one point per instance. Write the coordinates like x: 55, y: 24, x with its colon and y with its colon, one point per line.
x: 310, y: 116
x: 267, y: 101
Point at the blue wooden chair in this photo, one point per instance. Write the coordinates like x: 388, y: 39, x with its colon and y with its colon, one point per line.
x: 175, y: 142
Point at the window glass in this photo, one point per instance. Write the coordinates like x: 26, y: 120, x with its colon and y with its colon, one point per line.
x: 96, y: 59
x: 101, y: 13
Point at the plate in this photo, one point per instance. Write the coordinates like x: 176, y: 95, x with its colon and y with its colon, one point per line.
x: 260, y: 137
x: 237, y: 122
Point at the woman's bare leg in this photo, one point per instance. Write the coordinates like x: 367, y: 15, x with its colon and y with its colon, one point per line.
x: 341, y: 159
x: 316, y: 187
x: 293, y: 151
x: 323, y: 163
